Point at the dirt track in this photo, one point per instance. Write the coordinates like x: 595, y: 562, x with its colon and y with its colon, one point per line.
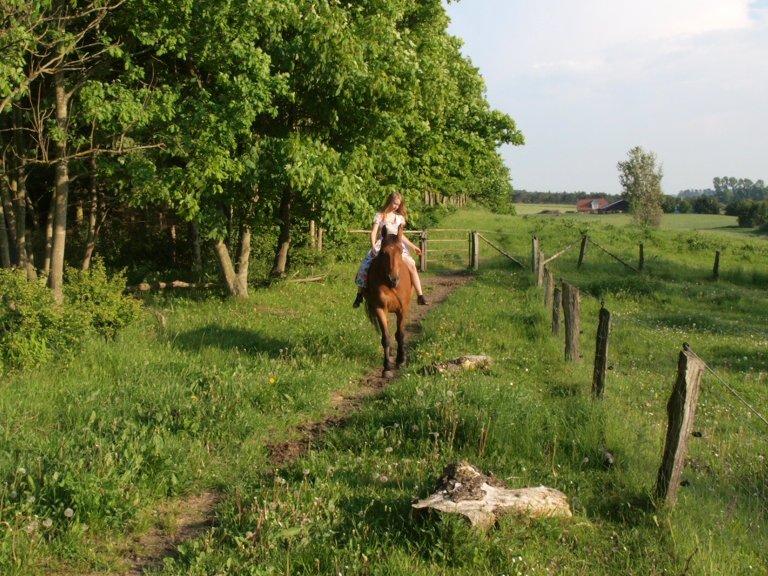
x: 194, y: 514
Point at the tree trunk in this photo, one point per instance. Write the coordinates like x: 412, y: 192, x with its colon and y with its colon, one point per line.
x: 49, y: 236
x: 20, y: 212
x: 10, y: 217
x: 197, y: 257
x: 172, y: 238
x: 93, y: 216
x: 233, y: 279
x: 284, y: 239
x: 5, y: 255
x: 79, y: 215
x: 61, y: 192
x: 244, y: 259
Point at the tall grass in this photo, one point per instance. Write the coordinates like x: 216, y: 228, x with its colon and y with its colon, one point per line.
x: 345, y: 507
x: 174, y: 410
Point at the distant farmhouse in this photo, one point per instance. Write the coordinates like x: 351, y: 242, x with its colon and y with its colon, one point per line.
x: 591, y: 205
x: 601, y: 206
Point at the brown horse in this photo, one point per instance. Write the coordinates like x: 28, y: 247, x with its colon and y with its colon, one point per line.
x: 389, y: 290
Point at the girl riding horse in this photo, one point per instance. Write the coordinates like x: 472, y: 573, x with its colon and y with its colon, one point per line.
x: 392, y: 215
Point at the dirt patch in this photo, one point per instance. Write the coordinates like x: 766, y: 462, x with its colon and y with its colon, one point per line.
x: 187, y: 517
x: 191, y: 516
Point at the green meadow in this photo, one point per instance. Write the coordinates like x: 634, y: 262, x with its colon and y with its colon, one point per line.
x: 188, y: 399
x: 709, y: 223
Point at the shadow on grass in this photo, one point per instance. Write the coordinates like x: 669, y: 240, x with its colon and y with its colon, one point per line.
x: 215, y: 336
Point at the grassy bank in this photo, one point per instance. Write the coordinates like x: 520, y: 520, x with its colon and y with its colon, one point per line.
x: 184, y: 400
x: 345, y: 507
x: 189, y: 399
x: 710, y: 223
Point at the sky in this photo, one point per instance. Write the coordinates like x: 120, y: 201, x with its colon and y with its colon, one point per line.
x: 586, y: 80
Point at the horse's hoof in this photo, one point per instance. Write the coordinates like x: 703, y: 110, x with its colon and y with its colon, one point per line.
x: 388, y: 374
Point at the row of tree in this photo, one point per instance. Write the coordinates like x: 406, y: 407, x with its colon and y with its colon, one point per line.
x: 231, y: 116
x: 536, y: 197
x: 728, y: 189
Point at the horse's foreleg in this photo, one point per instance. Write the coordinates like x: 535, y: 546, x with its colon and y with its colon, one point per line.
x: 400, y: 337
x: 381, y: 317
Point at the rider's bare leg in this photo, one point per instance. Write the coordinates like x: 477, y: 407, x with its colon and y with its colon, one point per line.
x: 416, y: 281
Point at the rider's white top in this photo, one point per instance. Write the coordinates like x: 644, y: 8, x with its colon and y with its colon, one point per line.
x: 391, y: 223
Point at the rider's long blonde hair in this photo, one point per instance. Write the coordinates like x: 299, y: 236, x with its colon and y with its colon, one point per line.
x: 401, y: 209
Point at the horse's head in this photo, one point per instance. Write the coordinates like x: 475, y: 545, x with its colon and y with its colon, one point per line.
x: 391, y: 253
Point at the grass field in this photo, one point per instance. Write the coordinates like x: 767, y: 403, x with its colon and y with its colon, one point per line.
x: 175, y: 410
x: 710, y: 223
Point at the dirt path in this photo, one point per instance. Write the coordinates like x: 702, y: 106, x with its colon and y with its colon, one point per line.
x: 180, y: 520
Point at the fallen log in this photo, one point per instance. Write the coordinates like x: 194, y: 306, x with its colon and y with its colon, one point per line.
x: 464, y: 490
x: 468, y: 362
x: 146, y: 286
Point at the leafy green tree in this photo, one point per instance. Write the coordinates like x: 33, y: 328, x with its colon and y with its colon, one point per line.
x: 640, y: 179
x: 706, y: 205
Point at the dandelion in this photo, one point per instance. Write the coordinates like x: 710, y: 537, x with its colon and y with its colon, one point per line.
x: 388, y: 449
x: 21, y: 471
x: 31, y: 527
x: 69, y: 513
x: 47, y: 523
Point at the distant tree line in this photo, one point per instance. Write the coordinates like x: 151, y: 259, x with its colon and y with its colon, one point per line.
x: 156, y: 131
x: 740, y: 197
x: 536, y: 197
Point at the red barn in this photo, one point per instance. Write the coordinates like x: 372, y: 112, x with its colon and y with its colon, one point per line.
x: 591, y: 205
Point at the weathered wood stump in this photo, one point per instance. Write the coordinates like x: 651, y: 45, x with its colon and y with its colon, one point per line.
x: 464, y: 490
x: 469, y: 362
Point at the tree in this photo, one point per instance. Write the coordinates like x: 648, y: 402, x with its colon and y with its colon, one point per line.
x: 641, y: 180
x: 706, y: 205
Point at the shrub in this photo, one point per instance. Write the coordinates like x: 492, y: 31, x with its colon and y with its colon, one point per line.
x: 706, y: 205
x: 32, y: 327
x: 100, y: 298
x: 749, y: 212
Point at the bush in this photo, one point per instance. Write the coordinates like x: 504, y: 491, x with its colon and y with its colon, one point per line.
x: 34, y: 329
x: 749, y: 212
x: 100, y: 298
x: 706, y: 205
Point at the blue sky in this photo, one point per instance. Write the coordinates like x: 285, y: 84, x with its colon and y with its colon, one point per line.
x: 586, y: 80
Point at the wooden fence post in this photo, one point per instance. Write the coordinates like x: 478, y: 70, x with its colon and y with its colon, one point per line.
x: 681, y: 411
x: 549, y: 287
x: 540, y: 270
x: 716, y: 267
x: 320, y: 233
x: 582, y: 250
x: 475, y: 251
x: 535, y: 254
x: 640, y: 257
x: 601, y: 352
x: 312, y: 239
x: 557, y: 296
x: 571, y: 315
x: 423, y: 256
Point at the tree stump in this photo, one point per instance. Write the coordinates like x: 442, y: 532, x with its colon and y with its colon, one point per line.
x: 464, y: 490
